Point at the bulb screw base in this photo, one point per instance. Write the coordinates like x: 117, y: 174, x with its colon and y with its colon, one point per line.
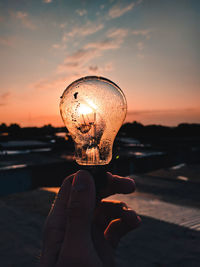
x: 99, y: 174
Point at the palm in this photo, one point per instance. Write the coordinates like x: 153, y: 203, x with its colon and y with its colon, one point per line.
x: 82, y: 233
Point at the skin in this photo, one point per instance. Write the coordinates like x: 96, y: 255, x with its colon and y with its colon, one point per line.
x: 79, y: 231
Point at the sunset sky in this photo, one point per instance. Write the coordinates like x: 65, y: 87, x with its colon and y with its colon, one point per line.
x: 150, y: 48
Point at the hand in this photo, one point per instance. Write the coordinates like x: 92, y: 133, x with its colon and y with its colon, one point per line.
x: 81, y: 232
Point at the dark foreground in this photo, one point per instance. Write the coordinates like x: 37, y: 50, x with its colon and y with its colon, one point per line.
x: 169, y: 234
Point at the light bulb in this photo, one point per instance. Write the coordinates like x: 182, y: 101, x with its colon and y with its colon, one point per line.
x: 93, y: 110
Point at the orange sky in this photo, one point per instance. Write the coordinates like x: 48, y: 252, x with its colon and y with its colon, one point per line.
x: 149, y: 48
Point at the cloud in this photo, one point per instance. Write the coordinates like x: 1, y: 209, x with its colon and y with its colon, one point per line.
x: 6, y: 41
x: 140, y: 56
x: 56, y: 46
x: 47, y: 84
x: 94, y: 69
x: 81, y: 12
x: 24, y: 18
x: 88, y: 29
x: 21, y: 15
x: 79, y: 63
x: 80, y: 55
x: 106, y: 44
x: 109, y: 66
x: 145, y: 33
x: 55, y: 82
x: 140, y: 46
x: 115, y: 37
x: 62, y: 25
x: 117, y: 33
x: 77, y: 60
x: 60, y: 81
x: 4, y: 97
x: 118, y: 10
x: 59, y: 46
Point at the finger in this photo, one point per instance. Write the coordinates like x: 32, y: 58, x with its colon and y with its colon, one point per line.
x: 79, y: 216
x: 82, y: 198
x: 55, y: 225
x: 117, y: 184
x: 57, y: 214
x: 108, y: 210
x: 120, y: 227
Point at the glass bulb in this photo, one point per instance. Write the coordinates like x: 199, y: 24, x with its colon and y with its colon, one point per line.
x: 93, y: 110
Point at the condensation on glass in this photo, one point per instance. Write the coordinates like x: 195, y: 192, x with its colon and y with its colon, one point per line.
x: 93, y: 110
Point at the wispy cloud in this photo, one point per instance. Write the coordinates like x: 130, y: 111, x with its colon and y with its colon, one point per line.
x: 62, y: 25
x: 81, y: 12
x: 117, y: 33
x: 140, y: 55
x: 6, y: 41
x: 78, y: 63
x: 113, y: 40
x: 119, y: 10
x: 94, y: 69
x: 78, y: 60
x: 45, y: 84
x: 56, y: 46
x: 74, y: 66
x: 106, y: 44
x: 23, y: 17
x: 140, y: 46
x: 47, y: 1
x: 59, y: 46
x: 60, y: 81
x: 55, y: 82
x: 88, y: 29
x: 4, y: 97
x: 146, y: 33
x: 143, y: 35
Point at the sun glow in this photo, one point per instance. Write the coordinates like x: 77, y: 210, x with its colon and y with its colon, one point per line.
x: 91, y: 104
x: 84, y: 109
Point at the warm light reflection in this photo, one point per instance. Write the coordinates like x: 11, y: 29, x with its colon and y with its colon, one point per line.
x: 91, y: 104
x: 84, y: 109
x: 50, y: 189
x: 93, y: 129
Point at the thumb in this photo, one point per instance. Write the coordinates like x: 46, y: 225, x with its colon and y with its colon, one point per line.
x: 82, y: 199
x: 77, y: 248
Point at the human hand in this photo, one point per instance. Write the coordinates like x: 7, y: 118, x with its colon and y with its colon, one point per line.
x: 81, y: 232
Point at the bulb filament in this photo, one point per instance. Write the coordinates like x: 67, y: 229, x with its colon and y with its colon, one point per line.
x: 88, y: 123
